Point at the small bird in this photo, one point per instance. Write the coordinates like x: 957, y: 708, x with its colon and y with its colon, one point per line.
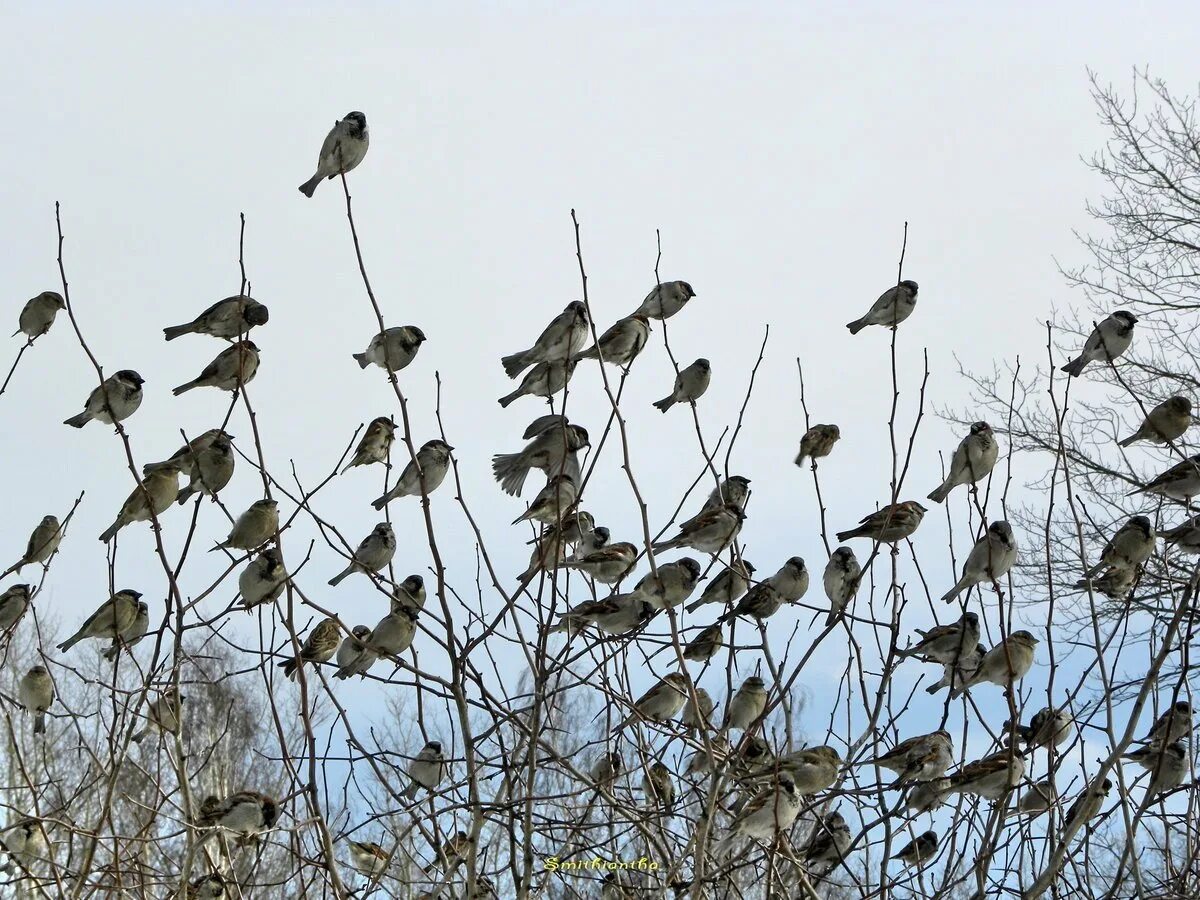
x: 38, y: 314
x: 552, y: 502
x: 320, y: 645
x: 705, y: 645
x: 726, y: 587
x: 343, y: 149
x: 207, y: 887
x: 810, y: 770
x: 1109, y: 340
x: 115, y: 400
x: 1088, y: 804
x: 697, y: 715
x: 114, y: 616
x: 703, y: 761
x: 393, y: 348
x: 427, y: 471
x: 1131, y: 546
x: 990, y: 777
x: 36, y: 693
x: 159, y: 486
x: 26, y: 843
x: 410, y: 594
x: 590, y: 541
x: 665, y: 299
x: 772, y: 810
x: 263, y: 579
x: 211, y: 470
x: 791, y: 581
x: 817, y: 443
x: 353, y: 646
x: 229, y: 318
x: 1165, y: 423
x: 42, y: 543
x: 131, y: 635
x: 1185, y: 536
x: 427, y: 770
x: 1005, y: 664
x: 925, y: 757
x: 13, y: 603
x: 735, y: 489
x: 710, y: 531
x: 185, y: 457
x: 927, y: 796
x: 843, y: 574
x: 1167, y: 766
x: 657, y: 787
x: 760, y: 603
x: 368, y: 858
x: 1049, y: 727
x: 253, y: 528
x: 1115, y: 583
x: 827, y: 846
x: 919, y: 850
x: 551, y: 451
x: 747, y: 705
x: 373, y: 553
x: 548, y: 553
x: 956, y: 675
x: 560, y: 339
x: 1172, y: 726
x: 544, y: 380
x: 234, y: 366
x: 1038, y: 798
x: 246, y: 813
x: 989, y: 560
x: 888, y: 525
x: 388, y: 639
x: 608, y: 565
x: 662, y: 702
x: 453, y: 851
x: 893, y: 306
x: 622, y: 342
x: 690, y: 385
x: 946, y: 643
x: 162, y: 715
x: 1180, y: 482
x: 673, y: 584
x: 607, y: 767
x: 375, y: 444
x: 973, y: 460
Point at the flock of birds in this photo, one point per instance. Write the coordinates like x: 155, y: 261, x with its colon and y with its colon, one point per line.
x: 775, y: 789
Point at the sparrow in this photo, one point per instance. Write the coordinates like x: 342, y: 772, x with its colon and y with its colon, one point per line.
x: 591, y: 541
x: 38, y: 314
x: 375, y: 444
x: 817, y: 443
x: 710, y: 531
x: 432, y: 464
x: 234, y: 366
x: 368, y: 858
x: 607, y: 767
x: 810, y: 770
x: 42, y: 543
x: 410, y: 594
x: 393, y: 348
x: 36, y: 693
x: 662, y: 702
x: 353, y: 646
x: 735, y: 489
x: 131, y: 635
x: 747, y: 705
x: 1107, y: 342
x: 791, y: 581
x: 607, y: 565
x: 827, y: 846
x: 320, y: 645
x: 113, y: 617
x: 889, y: 524
x: 956, y: 675
x: 185, y: 457
x: 726, y: 587
x: 622, y: 343
x: 263, y: 579
x: 989, y: 560
x: 945, y: 643
x: 246, y: 813
x: 548, y: 553
x: 1172, y: 726
x: 927, y: 796
x: 1087, y: 806
x: 544, y: 380
x: 13, y: 603
x: 427, y: 770
x: 925, y: 757
x: 973, y: 460
x: 1114, y: 583
x: 1131, y: 546
x: 343, y: 149
x: 1005, y: 664
x: 893, y: 306
x: 1167, y: 766
x: 657, y: 787
x: 388, y: 639
x: 253, y: 528
x: 1180, y: 482
x: 1165, y: 423
x: 162, y: 715
x: 453, y: 851
x: 115, y: 400
x: 159, y: 486
x: 705, y: 645
x: 697, y: 715
x: 1048, y: 727
x: 207, y: 887
x: 760, y: 603
x: 560, y: 339
x: 702, y: 761
x: 991, y: 776
x: 773, y: 809
x: 674, y: 583
x: 690, y: 385
x: 920, y: 850
x: 843, y: 574
x: 1038, y: 798
x: 211, y: 469
x: 26, y: 843
x: 665, y: 299
x: 1185, y: 536
x: 552, y: 502
x: 374, y: 552
x: 551, y: 452
x: 229, y: 318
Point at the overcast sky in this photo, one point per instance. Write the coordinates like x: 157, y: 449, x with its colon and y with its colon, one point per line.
x: 780, y: 153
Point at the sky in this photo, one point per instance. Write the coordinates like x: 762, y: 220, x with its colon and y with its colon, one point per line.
x: 779, y: 150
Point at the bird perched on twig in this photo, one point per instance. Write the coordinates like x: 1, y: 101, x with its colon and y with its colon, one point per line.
x: 698, y: 713
x: 843, y: 574
x: 973, y: 460
x: 263, y: 579
x: 234, y: 366
x: 320, y: 645
x: 211, y: 469
x: 425, y: 474
x: 673, y: 583
x: 1109, y: 340
x: 1180, y: 482
x: 1185, y: 536
x: 1167, y: 765
x: 919, y: 850
x: 888, y: 525
x: 990, y: 777
x: 560, y: 339
x: 113, y: 617
x: 37, y: 315
x: 253, y: 528
x: 544, y: 380
x: 393, y: 348
x: 115, y: 400
x: 827, y: 846
x: 373, y: 553
x: 747, y: 705
x: 622, y: 342
x: 608, y: 565
x: 131, y: 635
x: 552, y: 502
x: 152, y: 497
x: 893, y: 306
x: 207, y: 887
x: 726, y: 587
x: 989, y: 560
x: 26, y: 843
x: 13, y: 603
x: 390, y: 637
x: 921, y: 758
x: 657, y: 786
x: 665, y: 299
x: 36, y: 693
x: 44, y: 540
x: 368, y: 858
x: 341, y: 151
x: 1087, y: 806
x: 662, y: 702
x: 551, y: 451
x: 1165, y: 423
x: 1131, y: 546
x: 772, y: 810
x: 1114, y: 583
x: 690, y: 385
x: 811, y: 770
x: 375, y: 444
x: 735, y: 489
x: 426, y: 770
x: 229, y: 318
x: 1038, y: 798
x: 817, y: 443
x: 1173, y: 725
x: 957, y: 673
x: 945, y: 643
x: 710, y: 531
x: 1005, y: 664
x: 163, y: 714
x: 246, y: 813
x: 705, y: 645
x: 1049, y: 727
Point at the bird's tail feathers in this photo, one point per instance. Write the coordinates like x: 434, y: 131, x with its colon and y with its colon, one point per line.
x: 310, y: 186
x: 514, y: 364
